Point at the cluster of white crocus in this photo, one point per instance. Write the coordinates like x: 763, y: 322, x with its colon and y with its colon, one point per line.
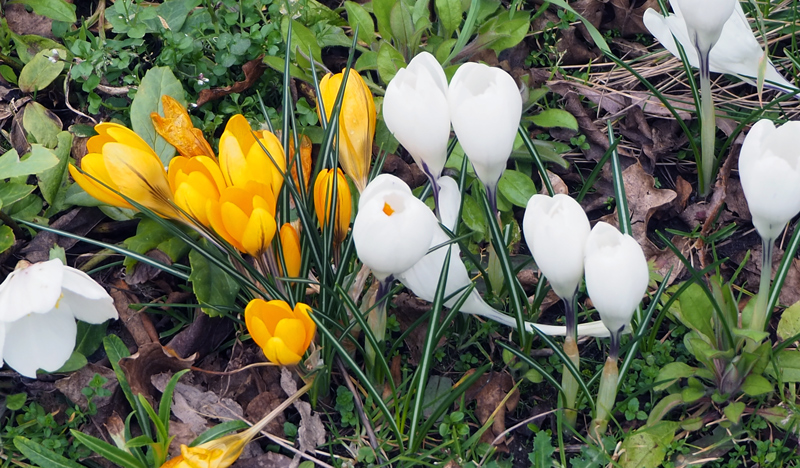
x: 483, y: 104
x: 737, y: 51
x: 38, y: 307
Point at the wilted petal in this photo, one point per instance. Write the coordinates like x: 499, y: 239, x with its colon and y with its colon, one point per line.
x: 176, y: 127
x: 40, y: 341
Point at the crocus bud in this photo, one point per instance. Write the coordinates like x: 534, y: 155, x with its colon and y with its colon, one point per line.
x: 704, y: 19
x: 485, y: 108
x: 242, y: 157
x: 416, y: 112
x: 323, y: 198
x: 556, y: 229
x: 356, y: 123
x: 290, y: 245
x: 195, y: 182
x: 616, y: 275
x: 769, y: 168
x: 282, y: 333
x: 392, y: 231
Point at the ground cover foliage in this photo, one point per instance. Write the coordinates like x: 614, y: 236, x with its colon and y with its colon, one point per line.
x: 609, y: 118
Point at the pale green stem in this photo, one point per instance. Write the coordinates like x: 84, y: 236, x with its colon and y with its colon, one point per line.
x: 760, y: 312
x: 606, y: 397
x: 708, y: 125
x: 376, y: 319
x: 568, y: 382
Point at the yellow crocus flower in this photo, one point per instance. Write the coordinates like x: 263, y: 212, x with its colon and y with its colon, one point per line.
x: 284, y: 334
x: 356, y: 123
x: 245, y: 217
x: 120, y: 159
x: 290, y: 245
x: 242, y: 159
x: 176, y: 127
x: 323, y: 197
x: 195, y: 182
x: 305, y: 160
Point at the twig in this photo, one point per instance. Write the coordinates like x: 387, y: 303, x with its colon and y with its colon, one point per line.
x: 66, y: 98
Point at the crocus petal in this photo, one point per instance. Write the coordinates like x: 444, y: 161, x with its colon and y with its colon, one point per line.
x: 293, y: 334
x: 108, y: 132
x: 277, y: 352
x: 88, y: 300
x: 31, y: 290
x: 240, y: 128
x: 258, y: 232
x: 303, y: 313
x: 704, y: 20
x: 40, y: 341
x: 290, y: 246
x: 232, y: 160
x: 323, y: 201
x: 139, y: 176
x: 379, y: 184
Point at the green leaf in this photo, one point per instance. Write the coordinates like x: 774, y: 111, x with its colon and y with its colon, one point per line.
x: 58, y: 10
x: 646, y: 448
x: 156, y: 82
x: 358, y: 17
x: 175, y: 12
x: 90, y: 337
x: 218, y: 431
x: 501, y: 33
x: 402, y: 25
x: 755, y: 385
x: 692, y: 394
x: 694, y: 309
x: 152, y: 235
x: 53, y: 181
x: 116, y: 350
x: 437, y: 389
x: 42, y: 456
x: 41, y: 124
x: 16, y: 401
x: 303, y: 39
x: 166, y: 398
x: 76, y: 361
x: 517, y: 187
x: 383, y: 13
x: 7, y: 238
x: 734, y: 411
x: 11, y: 193
x: 111, y: 453
x: 450, y: 13
x: 278, y: 64
x: 550, y: 118
x: 672, y: 372
x: 788, y: 364
x: 211, y: 285
x: 542, y: 454
x: 389, y: 61
x: 40, y: 159
x: 473, y: 215
x: 8, y: 74
x: 40, y: 72
x: 27, y: 46
x: 789, y: 325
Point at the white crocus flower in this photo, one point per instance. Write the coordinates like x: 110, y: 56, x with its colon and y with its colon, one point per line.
x: 392, y: 229
x: 38, y: 307
x: 556, y: 229
x: 616, y: 275
x: 737, y: 51
x: 415, y: 111
x: 769, y: 168
x: 485, y: 109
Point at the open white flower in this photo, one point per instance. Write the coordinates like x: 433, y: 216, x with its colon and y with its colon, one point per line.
x: 38, y: 307
x: 415, y: 111
x: 737, y: 51
x: 769, y: 168
x: 616, y: 275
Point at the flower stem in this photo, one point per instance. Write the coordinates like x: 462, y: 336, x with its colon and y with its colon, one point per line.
x: 377, y: 324
x: 759, y: 320
x: 606, y: 396
x: 708, y: 125
x: 568, y: 382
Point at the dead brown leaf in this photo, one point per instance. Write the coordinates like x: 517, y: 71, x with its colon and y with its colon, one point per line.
x: 23, y: 22
x: 252, y: 72
x: 132, y: 319
x: 311, y: 432
x: 266, y: 460
x: 261, y: 406
x: 79, y: 221
x: 151, y: 359
x: 203, y: 336
x: 73, y: 385
x: 490, y: 393
x: 628, y: 15
x: 193, y: 406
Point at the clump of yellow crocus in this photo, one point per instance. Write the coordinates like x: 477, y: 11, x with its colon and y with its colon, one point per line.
x: 118, y: 160
x: 176, y: 127
x: 356, y: 123
x: 323, y: 199
x: 282, y: 333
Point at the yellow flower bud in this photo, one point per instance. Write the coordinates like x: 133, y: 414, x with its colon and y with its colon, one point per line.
x: 120, y: 159
x: 323, y: 198
x: 356, y: 123
x: 284, y: 334
x: 195, y: 182
x: 290, y: 243
x: 176, y: 127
